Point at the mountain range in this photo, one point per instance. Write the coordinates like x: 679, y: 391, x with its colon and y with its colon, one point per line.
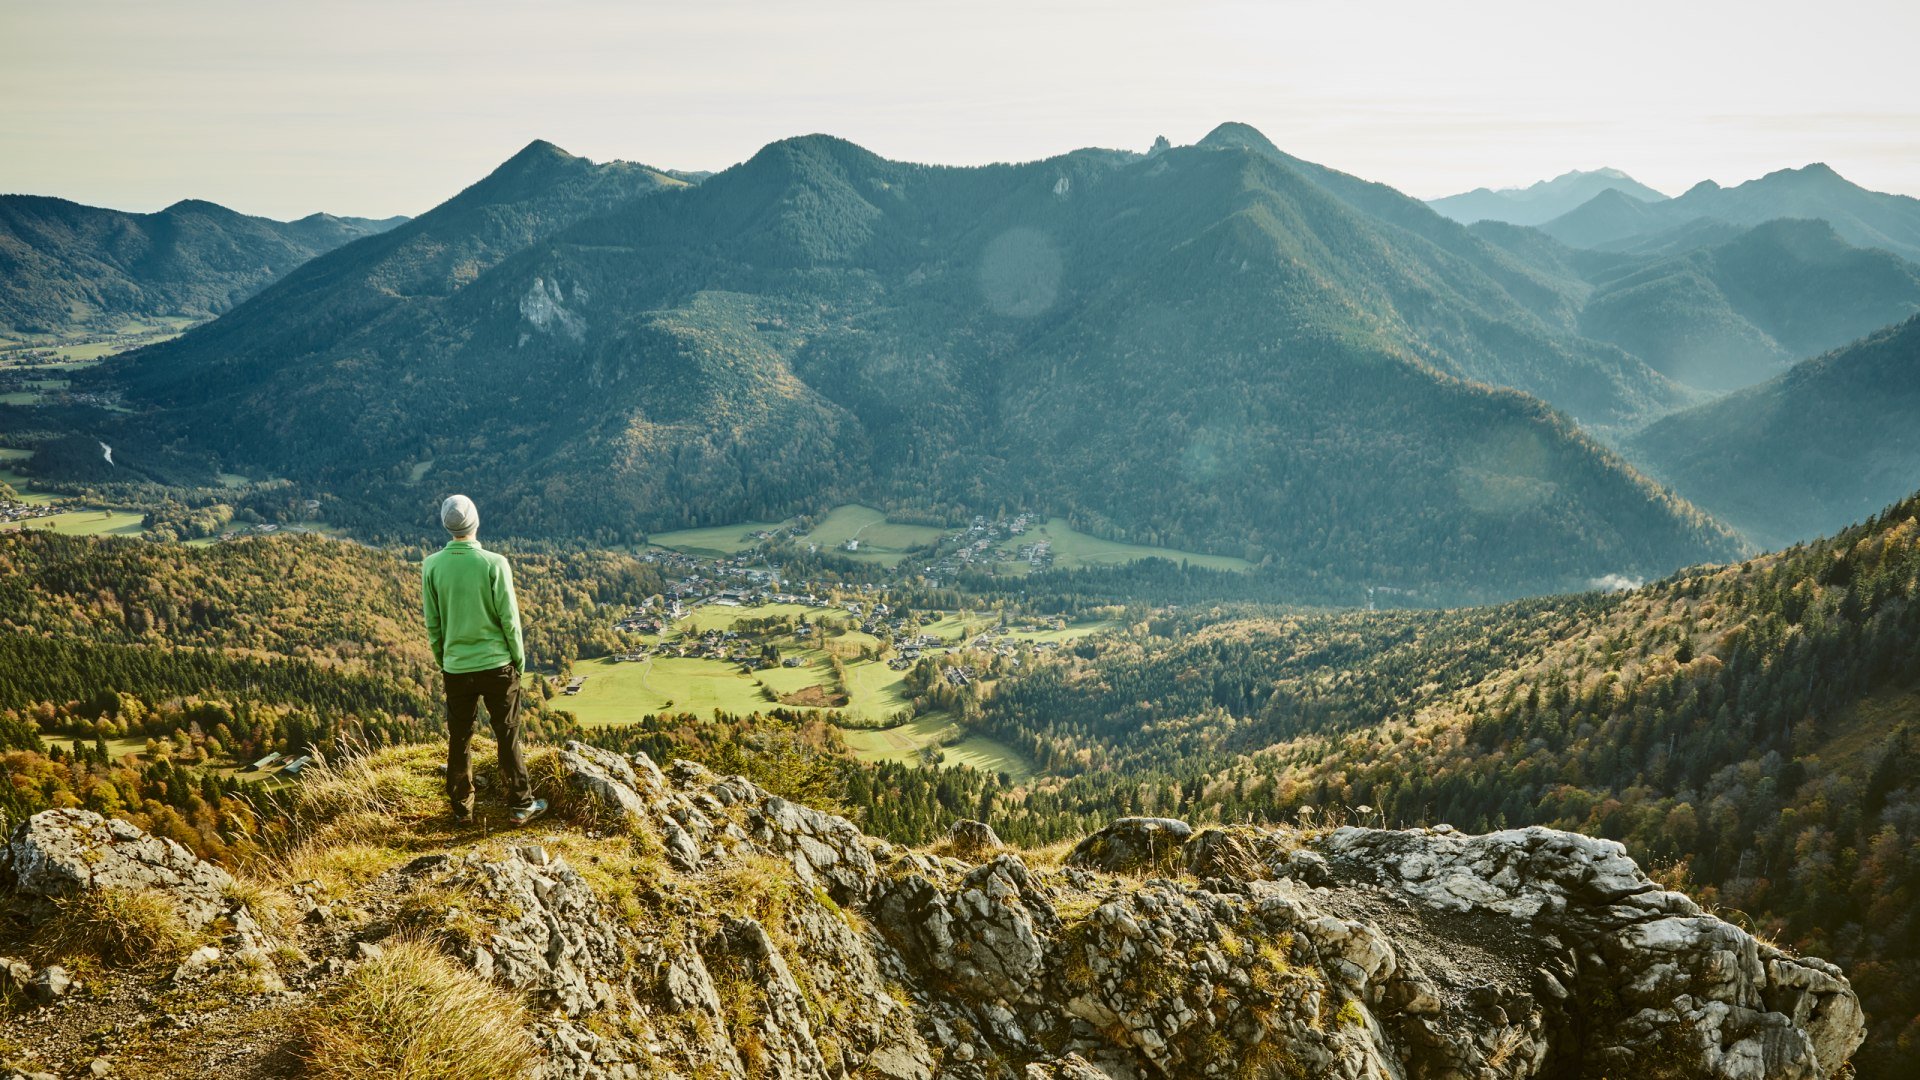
x: 1615, y: 218
x: 1716, y: 306
x: 1217, y: 346
x: 1727, y: 316
x: 67, y: 268
x: 1542, y: 201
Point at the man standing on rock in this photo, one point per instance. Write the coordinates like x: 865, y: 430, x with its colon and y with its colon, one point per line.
x: 473, y: 622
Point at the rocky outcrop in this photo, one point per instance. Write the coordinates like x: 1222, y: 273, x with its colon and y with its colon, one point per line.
x: 681, y: 924
x: 1133, y: 844
x: 59, y: 853
x: 1158, y: 951
x: 1668, y: 975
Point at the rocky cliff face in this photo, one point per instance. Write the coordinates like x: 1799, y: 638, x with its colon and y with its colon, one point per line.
x: 681, y: 923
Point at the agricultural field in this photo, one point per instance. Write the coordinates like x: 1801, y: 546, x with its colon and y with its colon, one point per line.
x: 881, y: 541
x: 86, y: 523
x: 1073, y: 550
x: 960, y: 627
x: 907, y: 743
x: 118, y: 749
x: 715, y: 541
x: 814, y: 670
x: 84, y: 349
x: 877, y: 691
x: 722, y: 617
x: 81, y: 522
x: 618, y: 692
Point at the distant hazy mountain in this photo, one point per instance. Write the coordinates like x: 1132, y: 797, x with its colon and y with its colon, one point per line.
x: 1542, y: 201
x: 67, y: 267
x: 1609, y: 217
x: 1214, y: 347
x: 1737, y: 313
x: 1861, y: 217
x: 1718, y: 306
x: 1832, y: 440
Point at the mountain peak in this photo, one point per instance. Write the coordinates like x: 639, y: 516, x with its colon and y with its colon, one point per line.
x: 527, y: 170
x: 535, y: 158
x: 1614, y: 197
x: 809, y: 155
x: 1572, y: 175
x: 540, y: 150
x: 1235, y: 134
x: 200, y: 206
x: 1818, y: 172
x: 816, y: 144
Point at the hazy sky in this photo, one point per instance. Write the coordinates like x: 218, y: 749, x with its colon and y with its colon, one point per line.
x: 387, y: 107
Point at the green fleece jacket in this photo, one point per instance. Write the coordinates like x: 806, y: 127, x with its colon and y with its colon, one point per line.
x: 473, y: 620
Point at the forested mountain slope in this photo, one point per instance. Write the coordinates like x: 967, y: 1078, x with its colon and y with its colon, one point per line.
x: 1736, y: 313
x: 366, y: 300
x: 1213, y: 347
x: 1821, y: 444
x: 1750, y: 729
x: 305, y: 636
x: 1719, y: 306
x: 66, y: 268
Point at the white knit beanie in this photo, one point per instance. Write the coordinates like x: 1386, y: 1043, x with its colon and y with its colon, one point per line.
x: 459, y: 515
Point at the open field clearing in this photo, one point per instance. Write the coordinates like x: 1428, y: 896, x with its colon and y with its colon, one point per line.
x: 715, y: 540
x: 85, y: 523
x: 1074, y: 550
x: 879, y: 540
x: 621, y: 693
x: 907, y: 742
x: 723, y: 617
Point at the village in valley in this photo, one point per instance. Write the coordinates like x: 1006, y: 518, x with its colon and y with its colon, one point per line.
x: 733, y: 633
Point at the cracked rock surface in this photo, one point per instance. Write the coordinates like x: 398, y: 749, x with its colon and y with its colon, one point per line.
x: 686, y: 924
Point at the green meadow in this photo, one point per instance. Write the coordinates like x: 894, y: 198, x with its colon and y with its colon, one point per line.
x: 623, y: 692
x: 881, y: 541
x: 722, y: 617
x: 617, y: 692
x: 86, y: 523
x: 713, y: 541
x: 907, y: 742
x: 1074, y: 550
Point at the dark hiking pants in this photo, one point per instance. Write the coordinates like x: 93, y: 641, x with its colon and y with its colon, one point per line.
x: 500, y: 689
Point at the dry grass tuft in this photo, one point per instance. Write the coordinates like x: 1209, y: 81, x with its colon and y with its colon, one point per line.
x: 336, y: 870
x: 117, y: 927
x: 1049, y: 857
x: 412, y: 1014
x: 567, y: 802
x: 359, y: 795
x: 269, y: 905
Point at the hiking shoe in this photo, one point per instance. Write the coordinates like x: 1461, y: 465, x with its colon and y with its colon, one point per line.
x: 520, y: 815
x: 461, y: 815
